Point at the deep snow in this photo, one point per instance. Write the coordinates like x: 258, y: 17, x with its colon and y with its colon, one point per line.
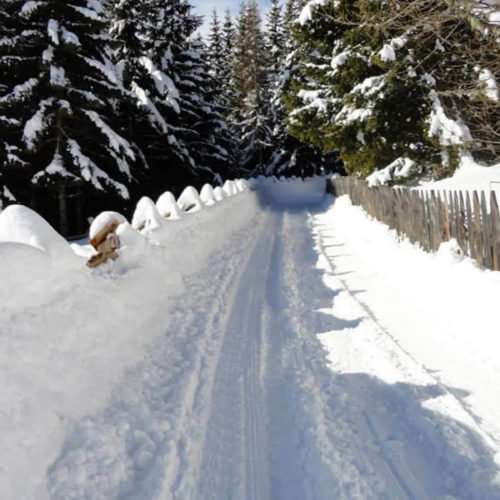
x: 273, y: 345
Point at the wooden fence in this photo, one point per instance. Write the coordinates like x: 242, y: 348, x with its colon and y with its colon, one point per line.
x: 430, y: 218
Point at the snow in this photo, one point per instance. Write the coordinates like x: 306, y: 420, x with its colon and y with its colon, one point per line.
x: 470, y: 176
x: 449, y: 132
x: 102, y: 220
x: 146, y: 217
x: 167, y: 206
x: 219, y: 194
x: 53, y: 31
x: 36, y: 124
x: 207, y: 195
x: 117, y: 142
x: 70, y: 335
x: 229, y: 188
x: 189, y: 200
x: 19, y: 224
x: 306, y: 14
x: 488, y: 81
x: 397, y: 170
x: 387, y: 53
x: 425, y: 326
x: 277, y: 344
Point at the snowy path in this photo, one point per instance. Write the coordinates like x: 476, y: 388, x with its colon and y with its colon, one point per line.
x: 238, y: 401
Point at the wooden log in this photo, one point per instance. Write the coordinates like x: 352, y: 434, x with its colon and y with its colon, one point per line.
x: 110, y: 227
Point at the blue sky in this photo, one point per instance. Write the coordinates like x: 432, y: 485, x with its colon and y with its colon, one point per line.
x: 205, y: 7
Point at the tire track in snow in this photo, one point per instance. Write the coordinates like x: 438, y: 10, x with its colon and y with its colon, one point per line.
x: 140, y: 445
x: 235, y: 451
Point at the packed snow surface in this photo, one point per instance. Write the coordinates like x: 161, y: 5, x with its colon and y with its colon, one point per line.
x: 276, y: 345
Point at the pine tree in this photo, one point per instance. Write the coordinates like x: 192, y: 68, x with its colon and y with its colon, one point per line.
x: 250, y: 75
x: 290, y: 156
x: 60, y: 88
x: 215, y: 51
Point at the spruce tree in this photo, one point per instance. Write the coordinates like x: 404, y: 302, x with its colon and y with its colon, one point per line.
x: 251, y: 78
x: 60, y: 91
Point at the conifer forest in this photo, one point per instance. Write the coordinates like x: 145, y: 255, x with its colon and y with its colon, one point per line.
x: 104, y: 101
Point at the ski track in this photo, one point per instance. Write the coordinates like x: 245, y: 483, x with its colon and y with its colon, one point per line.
x: 238, y: 401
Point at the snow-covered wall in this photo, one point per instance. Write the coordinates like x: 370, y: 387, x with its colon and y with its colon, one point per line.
x: 67, y: 333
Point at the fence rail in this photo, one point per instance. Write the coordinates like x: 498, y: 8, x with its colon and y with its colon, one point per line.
x: 430, y: 218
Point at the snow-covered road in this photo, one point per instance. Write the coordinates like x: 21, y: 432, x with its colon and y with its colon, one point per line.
x: 278, y: 376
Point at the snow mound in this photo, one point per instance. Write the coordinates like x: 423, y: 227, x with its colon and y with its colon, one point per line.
x: 146, y: 217
x: 229, y: 188
x: 19, y: 224
x: 219, y: 194
x: 167, y: 206
x: 189, y: 200
x: 207, y: 195
x: 241, y: 185
x: 470, y: 176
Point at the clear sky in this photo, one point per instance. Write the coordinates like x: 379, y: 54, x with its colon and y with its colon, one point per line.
x: 205, y: 7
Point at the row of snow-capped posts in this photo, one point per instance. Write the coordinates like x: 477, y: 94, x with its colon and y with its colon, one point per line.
x: 150, y: 215
x: 429, y: 218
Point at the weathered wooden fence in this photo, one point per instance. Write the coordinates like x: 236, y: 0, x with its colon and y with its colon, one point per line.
x: 430, y: 218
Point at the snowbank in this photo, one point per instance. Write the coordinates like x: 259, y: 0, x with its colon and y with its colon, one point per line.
x: 68, y: 333
x: 469, y: 176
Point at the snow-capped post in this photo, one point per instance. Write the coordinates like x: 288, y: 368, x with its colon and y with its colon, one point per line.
x: 106, y: 242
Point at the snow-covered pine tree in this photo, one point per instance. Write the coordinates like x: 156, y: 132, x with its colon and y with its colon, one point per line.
x: 11, y: 34
x: 204, y: 129
x: 250, y: 75
x: 403, y: 81
x: 290, y: 156
x: 147, y: 34
x: 215, y: 50
x: 227, y: 90
x: 60, y: 91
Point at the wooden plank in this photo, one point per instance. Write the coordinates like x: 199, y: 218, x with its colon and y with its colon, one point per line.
x: 486, y: 233
x: 461, y: 223
x: 477, y: 234
x: 470, y: 226
x: 495, y: 231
